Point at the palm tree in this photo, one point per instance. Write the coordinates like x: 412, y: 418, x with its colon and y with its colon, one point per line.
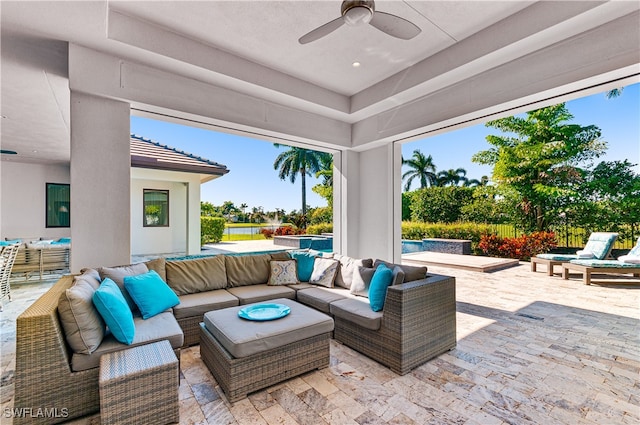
x: 243, y: 207
x: 421, y: 167
x: 452, y: 177
x: 484, y: 180
x: 614, y: 93
x: 299, y: 161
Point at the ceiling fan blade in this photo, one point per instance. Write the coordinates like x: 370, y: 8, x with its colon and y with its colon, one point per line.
x: 321, y: 31
x: 394, y: 25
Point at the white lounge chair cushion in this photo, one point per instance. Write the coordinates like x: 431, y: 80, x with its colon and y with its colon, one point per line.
x: 630, y: 259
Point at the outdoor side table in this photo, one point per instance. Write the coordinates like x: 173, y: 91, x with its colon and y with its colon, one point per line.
x: 139, y: 385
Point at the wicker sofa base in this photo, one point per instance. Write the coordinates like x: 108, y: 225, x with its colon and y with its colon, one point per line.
x: 241, y: 376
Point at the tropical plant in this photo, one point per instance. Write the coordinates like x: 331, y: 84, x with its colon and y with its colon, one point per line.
x: 325, y: 188
x: 453, y: 177
x: 538, y: 166
x: 420, y: 167
x: 522, y: 247
x: 298, y: 161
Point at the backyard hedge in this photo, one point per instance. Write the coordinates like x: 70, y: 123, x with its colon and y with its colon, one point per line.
x: 211, y: 229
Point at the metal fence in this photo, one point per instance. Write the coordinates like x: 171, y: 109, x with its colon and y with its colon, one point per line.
x: 572, y: 237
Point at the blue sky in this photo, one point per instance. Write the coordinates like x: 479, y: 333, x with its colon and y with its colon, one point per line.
x: 253, y: 180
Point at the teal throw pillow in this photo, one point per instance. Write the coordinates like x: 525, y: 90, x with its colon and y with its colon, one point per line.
x: 115, y: 311
x: 150, y: 293
x: 380, y: 281
x: 305, y: 264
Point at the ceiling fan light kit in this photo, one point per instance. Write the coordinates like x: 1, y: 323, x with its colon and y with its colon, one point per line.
x: 362, y: 12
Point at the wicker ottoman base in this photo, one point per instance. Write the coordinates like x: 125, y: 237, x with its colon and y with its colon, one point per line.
x: 139, y: 385
x: 241, y: 376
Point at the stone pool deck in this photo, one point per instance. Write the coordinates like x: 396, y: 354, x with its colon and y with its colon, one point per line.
x: 532, y: 349
x: 466, y: 262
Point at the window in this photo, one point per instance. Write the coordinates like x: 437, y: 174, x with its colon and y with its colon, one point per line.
x: 156, y: 208
x: 58, y: 205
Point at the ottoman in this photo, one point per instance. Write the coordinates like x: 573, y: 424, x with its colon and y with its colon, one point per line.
x: 245, y: 356
x: 139, y: 385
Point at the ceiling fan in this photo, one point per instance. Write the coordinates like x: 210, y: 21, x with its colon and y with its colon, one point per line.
x: 362, y: 12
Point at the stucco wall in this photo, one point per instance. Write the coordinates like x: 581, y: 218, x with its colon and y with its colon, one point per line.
x: 184, y: 198
x: 23, y: 197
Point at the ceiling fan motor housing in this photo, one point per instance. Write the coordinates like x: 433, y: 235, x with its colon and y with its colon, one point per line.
x: 357, y: 12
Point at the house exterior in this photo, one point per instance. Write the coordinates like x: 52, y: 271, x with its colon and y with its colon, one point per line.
x: 154, y: 167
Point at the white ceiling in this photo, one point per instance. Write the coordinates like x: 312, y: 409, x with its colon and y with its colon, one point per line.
x: 251, y: 47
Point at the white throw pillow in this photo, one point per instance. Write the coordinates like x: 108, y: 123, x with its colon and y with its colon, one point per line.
x: 324, y: 271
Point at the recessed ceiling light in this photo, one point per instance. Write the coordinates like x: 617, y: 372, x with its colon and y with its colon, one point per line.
x: 35, y: 151
x: 356, y: 64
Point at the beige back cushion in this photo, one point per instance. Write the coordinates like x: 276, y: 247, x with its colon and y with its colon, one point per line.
x: 83, y: 326
x: 117, y: 274
x: 159, y: 266
x: 245, y: 270
x: 199, y: 275
x: 411, y: 273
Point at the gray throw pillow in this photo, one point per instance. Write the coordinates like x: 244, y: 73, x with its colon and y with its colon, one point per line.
x: 360, y: 281
x: 117, y: 274
x: 83, y: 326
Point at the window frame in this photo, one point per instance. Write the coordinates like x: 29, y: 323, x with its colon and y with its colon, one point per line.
x: 49, y: 216
x: 145, y: 223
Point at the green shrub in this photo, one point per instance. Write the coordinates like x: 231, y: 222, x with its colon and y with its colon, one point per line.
x: 211, y: 229
x: 321, y: 215
x: 439, y: 204
x: 317, y: 229
x: 471, y: 231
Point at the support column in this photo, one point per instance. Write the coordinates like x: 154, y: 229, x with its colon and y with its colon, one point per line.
x: 100, y: 182
x: 370, y: 208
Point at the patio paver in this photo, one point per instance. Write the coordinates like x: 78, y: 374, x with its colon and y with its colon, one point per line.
x: 532, y: 349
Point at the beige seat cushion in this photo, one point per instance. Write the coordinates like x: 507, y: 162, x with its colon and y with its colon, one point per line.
x: 156, y: 328
x: 242, y: 338
x: 302, y: 285
x: 357, y: 311
x: 196, y: 305
x: 199, y: 275
x: 247, y: 269
x: 320, y: 298
x: 264, y: 292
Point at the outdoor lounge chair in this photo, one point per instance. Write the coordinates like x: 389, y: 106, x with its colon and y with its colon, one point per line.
x: 7, y: 257
x: 598, y: 247
x: 626, y: 264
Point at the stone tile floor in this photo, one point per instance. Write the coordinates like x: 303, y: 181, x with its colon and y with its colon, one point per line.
x: 531, y: 349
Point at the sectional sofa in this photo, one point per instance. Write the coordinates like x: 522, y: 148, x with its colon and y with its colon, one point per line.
x: 57, y: 367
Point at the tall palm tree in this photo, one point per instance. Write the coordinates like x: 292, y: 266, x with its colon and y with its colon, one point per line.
x: 452, y: 177
x: 613, y: 93
x: 420, y: 167
x: 299, y: 161
x: 484, y: 180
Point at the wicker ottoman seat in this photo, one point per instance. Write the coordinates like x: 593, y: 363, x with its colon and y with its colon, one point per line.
x: 139, y: 385
x: 245, y: 356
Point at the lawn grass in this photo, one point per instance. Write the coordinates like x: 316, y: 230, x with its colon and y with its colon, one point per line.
x: 242, y: 237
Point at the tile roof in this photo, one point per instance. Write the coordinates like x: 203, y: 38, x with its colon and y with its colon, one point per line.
x: 146, y: 153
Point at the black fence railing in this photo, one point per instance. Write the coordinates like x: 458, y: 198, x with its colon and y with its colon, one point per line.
x: 573, y: 237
